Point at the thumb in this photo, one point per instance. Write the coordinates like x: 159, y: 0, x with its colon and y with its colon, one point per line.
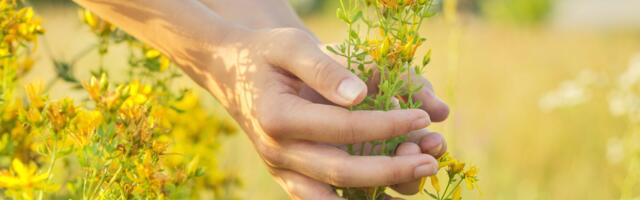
x: 299, y: 54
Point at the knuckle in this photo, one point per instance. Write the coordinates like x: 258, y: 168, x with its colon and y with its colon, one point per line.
x: 291, y: 37
x: 271, y: 155
x: 338, y: 177
x: 322, y: 69
x: 271, y: 123
x: 348, y: 130
x: 394, y: 174
x: 393, y: 126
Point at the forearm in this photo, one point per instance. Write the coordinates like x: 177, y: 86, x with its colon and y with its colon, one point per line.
x: 257, y: 14
x: 173, y: 27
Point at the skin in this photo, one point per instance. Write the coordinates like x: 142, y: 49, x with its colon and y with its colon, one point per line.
x: 286, y: 93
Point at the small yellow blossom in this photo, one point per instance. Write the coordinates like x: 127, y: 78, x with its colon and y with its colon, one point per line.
x: 23, y: 177
x: 471, y: 178
x: 34, y: 93
x: 457, y: 194
x: 435, y: 182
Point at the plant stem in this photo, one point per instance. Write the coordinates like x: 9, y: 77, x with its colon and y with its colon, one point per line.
x: 53, y: 162
x: 446, y: 188
x: 454, y: 189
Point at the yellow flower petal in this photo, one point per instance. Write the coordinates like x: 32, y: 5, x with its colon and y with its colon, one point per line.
x: 423, y: 180
x: 20, y: 169
x: 457, y: 194
x: 435, y: 183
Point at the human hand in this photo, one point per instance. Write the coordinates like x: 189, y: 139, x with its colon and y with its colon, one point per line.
x: 259, y: 76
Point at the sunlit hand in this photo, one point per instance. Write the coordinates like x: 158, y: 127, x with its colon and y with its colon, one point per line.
x: 259, y: 77
x: 267, y: 14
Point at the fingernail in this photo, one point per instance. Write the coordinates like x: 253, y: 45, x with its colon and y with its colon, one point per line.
x: 420, y: 123
x: 425, y: 170
x: 436, y: 150
x: 349, y: 89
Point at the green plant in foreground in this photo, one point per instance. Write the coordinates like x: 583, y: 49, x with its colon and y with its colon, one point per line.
x: 383, y: 37
x: 137, y: 139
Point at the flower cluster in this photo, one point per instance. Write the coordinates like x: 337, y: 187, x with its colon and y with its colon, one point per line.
x: 139, y: 139
x: 457, y: 172
x: 383, y: 39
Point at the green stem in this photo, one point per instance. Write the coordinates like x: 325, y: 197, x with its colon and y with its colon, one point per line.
x: 446, y: 188
x: 454, y: 189
x: 53, y: 162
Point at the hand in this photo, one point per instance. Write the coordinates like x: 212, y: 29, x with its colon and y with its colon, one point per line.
x: 259, y: 77
x: 276, y: 13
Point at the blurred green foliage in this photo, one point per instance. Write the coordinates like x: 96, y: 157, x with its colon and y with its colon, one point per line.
x: 516, y: 11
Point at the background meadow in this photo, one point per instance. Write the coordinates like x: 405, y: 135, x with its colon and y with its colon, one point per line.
x: 530, y: 83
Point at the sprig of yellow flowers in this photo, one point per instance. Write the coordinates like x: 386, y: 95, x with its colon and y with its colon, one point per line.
x: 383, y: 38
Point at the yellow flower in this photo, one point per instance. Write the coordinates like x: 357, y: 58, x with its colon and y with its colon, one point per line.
x: 86, y: 124
x: 446, y: 160
x: 389, y: 3
x: 138, y: 94
x: 435, y: 183
x: 456, y: 167
x: 24, y: 177
x: 33, y: 116
x: 34, y: 93
x: 471, y: 178
x: 423, y: 180
x: 60, y: 112
x: 96, y: 24
x: 457, y: 194
x: 96, y: 87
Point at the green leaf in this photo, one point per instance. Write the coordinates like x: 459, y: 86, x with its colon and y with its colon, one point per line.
x: 353, y: 35
x: 64, y: 71
x: 431, y: 194
x: 426, y: 59
x: 356, y: 17
x: 341, y: 15
x: 332, y: 50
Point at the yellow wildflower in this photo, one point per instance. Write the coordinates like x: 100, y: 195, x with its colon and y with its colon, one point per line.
x: 471, y: 178
x: 456, y: 167
x: 423, y: 180
x: 446, y: 160
x: 33, y: 115
x: 24, y: 177
x: 60, y: 112
x: 435, y: 182
x: 457, y: 194
x: 34, y: 93
x: 138, y: 94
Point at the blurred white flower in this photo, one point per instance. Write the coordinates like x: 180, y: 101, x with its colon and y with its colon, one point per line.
x: 615, y: 150
x: 625, y: 98
x: 570, y: 93
x: 631, y: 77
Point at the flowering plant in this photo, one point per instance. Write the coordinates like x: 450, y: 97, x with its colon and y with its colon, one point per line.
x: 383, y: 38
x: 137, y: 139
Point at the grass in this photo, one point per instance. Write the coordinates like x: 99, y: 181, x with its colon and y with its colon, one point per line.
x: 523, y: 152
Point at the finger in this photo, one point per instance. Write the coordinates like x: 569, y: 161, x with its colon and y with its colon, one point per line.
x: 299, y: 54
x: 334, y: 166
x: 437, y: 109
x: 411, y: 187
x: 430, y: 143
x: 293, y: 117
x: 300, y: 187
